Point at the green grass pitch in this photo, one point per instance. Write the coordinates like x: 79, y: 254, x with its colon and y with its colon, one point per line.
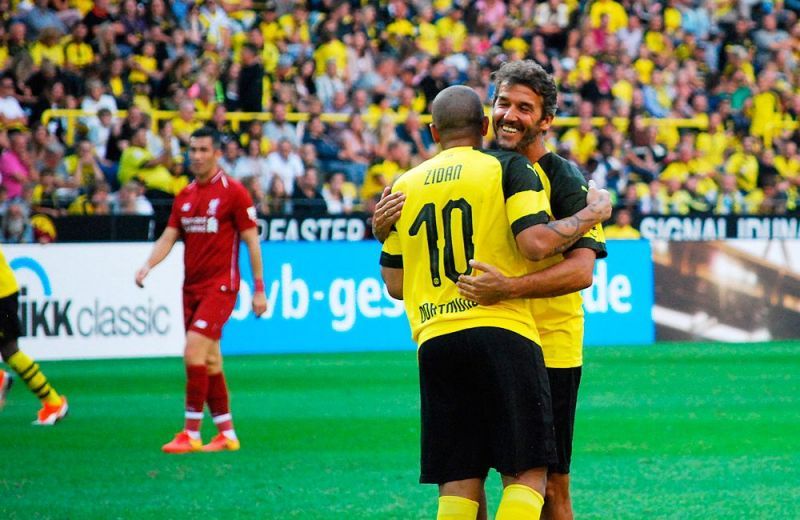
x: 669, y: 431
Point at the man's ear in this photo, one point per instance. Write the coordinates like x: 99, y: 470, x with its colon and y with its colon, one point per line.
x: 485, y: 126
x: 434, y: 133
x: 545, y: 123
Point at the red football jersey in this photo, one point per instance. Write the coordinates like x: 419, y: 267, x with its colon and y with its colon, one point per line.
x: 210, y: 217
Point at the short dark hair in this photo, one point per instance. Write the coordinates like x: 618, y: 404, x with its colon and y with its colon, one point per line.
x: 457, y: 109
x: 532, y: 75
x: 208, y: 132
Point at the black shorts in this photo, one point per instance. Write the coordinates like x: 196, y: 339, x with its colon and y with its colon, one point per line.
x: 10, y: 327
x: 564, y: 383
x: 485, y: 403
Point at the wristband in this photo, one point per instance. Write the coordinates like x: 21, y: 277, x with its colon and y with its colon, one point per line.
x: 258, y: 285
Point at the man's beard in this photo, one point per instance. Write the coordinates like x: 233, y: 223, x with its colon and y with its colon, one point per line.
x: 529, y: 136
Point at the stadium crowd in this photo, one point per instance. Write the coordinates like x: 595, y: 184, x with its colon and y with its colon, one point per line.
x: 727, y: 70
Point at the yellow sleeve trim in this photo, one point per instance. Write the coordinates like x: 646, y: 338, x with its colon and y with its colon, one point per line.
x: 526, y: 203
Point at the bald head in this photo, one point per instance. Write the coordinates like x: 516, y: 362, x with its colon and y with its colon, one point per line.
x: 457, y: 110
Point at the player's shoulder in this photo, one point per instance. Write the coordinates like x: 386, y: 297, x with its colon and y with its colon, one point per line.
x: 224, y: 183
x: 512, y: 165
x: 406, y: 177
x: 505, y: 157
x: 556, y: 165
x: 187, y: 190
x: 230, y: 182
x: 560, y: 170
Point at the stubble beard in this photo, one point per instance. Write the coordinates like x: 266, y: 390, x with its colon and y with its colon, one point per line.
x: 528, y: 137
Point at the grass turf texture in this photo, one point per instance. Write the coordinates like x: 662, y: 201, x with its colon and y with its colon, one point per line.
x: 670, y: 431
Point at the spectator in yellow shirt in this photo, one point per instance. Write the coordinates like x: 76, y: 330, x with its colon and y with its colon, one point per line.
x: 581, y: 139
x: 95, y: 202
x: 78, y: 53
x: 84, y: 166
x: 518, y: 41
x: 687, y: 164
x: 137, y: 162
x: 400, y: 28
x: 655, y: 39
x: 712, y: 143
x: 622, y: 229
x: 382, y: 174
x: 270, y: 25
x: 332, y: 48
x: 672, y: 18
x: 427, y: 33
x: 185, y: 123
x: 744, y: 165
x: 144, y: 65
x: 788, y: 161
x: 295, y: 25
x: 766, y: 109
x: 452, y: 27
x: 617, y: 17
x: 48, y: 48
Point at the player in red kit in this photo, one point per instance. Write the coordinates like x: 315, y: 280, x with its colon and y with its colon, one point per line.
x: 211, y: 215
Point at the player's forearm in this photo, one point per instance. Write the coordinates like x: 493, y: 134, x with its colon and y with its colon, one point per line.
x: 162, y: 247
x: 571, y: 275
x: 545, y: 240
x: 253, y: 244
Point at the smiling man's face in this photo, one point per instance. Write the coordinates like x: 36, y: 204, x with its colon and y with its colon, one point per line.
x: 517, y: 117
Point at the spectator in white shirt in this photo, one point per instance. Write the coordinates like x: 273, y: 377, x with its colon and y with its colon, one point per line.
x: 130, y: 200
x: 279, y: 128
x: 337, y: 201
x: 253, y: 164
x: 100, y: 130
x: 97, y: 99
x: 329, y: 83
x: 285, y: 163
x: 230, y: 156
x: 11, y: 112
x: 165, y: 140
x: 217, y: 24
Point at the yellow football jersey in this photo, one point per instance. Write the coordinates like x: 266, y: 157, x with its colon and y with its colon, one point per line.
x: 8, y: 284
x: 464, y: 203
x: 560, y: 319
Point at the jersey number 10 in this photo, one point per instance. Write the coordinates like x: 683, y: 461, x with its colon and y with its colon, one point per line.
x: 427, y: 216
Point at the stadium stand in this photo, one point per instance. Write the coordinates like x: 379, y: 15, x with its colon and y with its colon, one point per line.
x: 678, y: 107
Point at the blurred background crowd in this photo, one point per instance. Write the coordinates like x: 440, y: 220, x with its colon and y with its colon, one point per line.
x: 677, y: 106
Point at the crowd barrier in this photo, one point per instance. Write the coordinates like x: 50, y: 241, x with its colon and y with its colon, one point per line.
x: 80, y: 301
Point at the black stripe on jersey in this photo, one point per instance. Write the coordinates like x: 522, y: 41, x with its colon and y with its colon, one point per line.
x: 521, y: 224
x: 392, y: 261
x: 589, y: 243
x: 568, y: 187
x: 518, y: 173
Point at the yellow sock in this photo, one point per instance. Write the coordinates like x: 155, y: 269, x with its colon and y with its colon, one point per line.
x: 520, y: 503
x: 29, y: 372
x: 457, y: 508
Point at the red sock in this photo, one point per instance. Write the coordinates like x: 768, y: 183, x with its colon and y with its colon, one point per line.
x: 196, y: 391
x: 218, y: 402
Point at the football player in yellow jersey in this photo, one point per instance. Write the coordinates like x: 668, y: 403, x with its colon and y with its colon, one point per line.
x: 484, y: 393
x: 523, y: 111
x: 54, y: 406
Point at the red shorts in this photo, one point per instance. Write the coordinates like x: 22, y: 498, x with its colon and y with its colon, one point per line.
x: 207, y: 311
